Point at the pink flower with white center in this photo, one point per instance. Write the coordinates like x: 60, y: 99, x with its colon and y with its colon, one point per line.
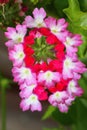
x: 23, y: 74
x: 31, y: 103
x: 58, y: 97
x: 63, y: 107
x: 38, y: 20
x: 17, y: 55
x: 15, y: 35
x: 74, y: 89
x: 57, y: 27
x: 72, y: 69
x: 49, y: 78
x: 71, y: 43
x: 68, y: 66
x: 27, y: 90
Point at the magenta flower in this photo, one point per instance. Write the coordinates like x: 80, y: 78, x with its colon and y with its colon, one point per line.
x: 48, y: 78
x: 74, y: 89
x: 27, y: 90
x: 57, y: 27
x: 72, y: 68
x: 71, y: 43
x: 17, y: 55
x: 31, y: 103
x: 24, y: 74
x: 58, y: 97
x: 15, y: 35
x: 38, y: 20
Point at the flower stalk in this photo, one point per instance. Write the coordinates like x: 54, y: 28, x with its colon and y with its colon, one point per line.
x: 3, y: 107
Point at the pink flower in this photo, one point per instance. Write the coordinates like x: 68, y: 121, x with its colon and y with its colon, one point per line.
x: 15, y: 35
x: 48, y: 78
x: 38, y: 20
x: 58, y: 97
x: 72, y: 68
x: 71, y: 43
x: 23, y: 74
x: 57, y: 27
x: 74, y: 89
x: 17, y: 55
x: 31, y: 103
x: 27, y: 90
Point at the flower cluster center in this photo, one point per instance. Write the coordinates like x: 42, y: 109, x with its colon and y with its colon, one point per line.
x: 42, y: 50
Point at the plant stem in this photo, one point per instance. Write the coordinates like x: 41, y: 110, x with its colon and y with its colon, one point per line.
x: 3, y: 9
x: 3, y: 107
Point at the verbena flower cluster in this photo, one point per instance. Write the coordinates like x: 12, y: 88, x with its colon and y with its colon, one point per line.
x: 45, y: 61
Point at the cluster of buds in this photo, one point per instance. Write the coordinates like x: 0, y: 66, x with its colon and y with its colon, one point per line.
x: 45, y: 61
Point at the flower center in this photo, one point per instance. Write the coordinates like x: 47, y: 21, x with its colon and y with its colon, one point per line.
x: 48, y: 75
x: 43, y: 50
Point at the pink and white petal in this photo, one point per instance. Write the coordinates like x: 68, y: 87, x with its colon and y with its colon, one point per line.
x: 61, y: 35
x: 69, y: 100
x: 63, y: 107
x: 27, y: 90
x: 58, y: 97
x: 21, y: 29
x: 10, y: 32
x: 73, y: 88
x: 36, y: 106
x: 56, y: 77
x: 50, y: 22
x: 29, y: 21
x: 24, y: 106
x: 39, y: 13
x: 10, y: 44
x: 62, y: 24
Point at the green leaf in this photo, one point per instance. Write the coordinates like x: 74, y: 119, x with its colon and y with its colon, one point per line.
x: 73, y: 10
x: 75, y: 14
x: 83, y: 5
x: 49, y: 112
x: 83, y: 84
x: 81, y: 123
x: 76, y: 117
x: 65, y: 118
x: 59, y: 6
